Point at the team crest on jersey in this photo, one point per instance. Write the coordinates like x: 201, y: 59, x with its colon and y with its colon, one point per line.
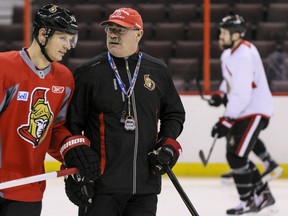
x: 39, y: 119
x: 149, y: 83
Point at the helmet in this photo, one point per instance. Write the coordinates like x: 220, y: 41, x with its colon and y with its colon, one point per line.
x: 54, y: 18
x: 234, y: 23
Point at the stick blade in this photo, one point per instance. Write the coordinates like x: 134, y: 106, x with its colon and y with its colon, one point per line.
x: 202, y: 157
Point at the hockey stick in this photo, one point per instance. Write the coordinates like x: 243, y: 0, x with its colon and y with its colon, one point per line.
x: 201, y: 153
x: 37, y: 178
x: 200, y: 90
x: 180, y: 190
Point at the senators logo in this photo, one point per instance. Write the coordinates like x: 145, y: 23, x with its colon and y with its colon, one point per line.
x: 39, y: 120
x: 149, y: 83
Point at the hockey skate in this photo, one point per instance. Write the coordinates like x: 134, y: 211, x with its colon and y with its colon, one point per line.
x: 244, y: 207
x: 272, y: 171
x: 264, y: 200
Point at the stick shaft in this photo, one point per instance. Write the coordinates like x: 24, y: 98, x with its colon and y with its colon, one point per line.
x: 180, y: 190
x: 198, y: 85
x: 201, y: 153
x: 212, y: 147
x: 37, y: 178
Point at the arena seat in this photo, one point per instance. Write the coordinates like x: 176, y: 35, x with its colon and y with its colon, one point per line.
x: 269, y: 30
x: 88, y: 13
x: 277, y: 12
x: 88, y: 49
x: 183, y: 72
x: 184, y: 13
x: 153, y: 13
x: 169, y: 31
x: 158, y: 49
x: 189, y: 49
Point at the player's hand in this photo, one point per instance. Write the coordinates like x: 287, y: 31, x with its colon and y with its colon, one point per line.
x: 168, y: 153
x: 79, y: 193
x: 222, y: 127
x: 82, y: 157
x: 217, y: 99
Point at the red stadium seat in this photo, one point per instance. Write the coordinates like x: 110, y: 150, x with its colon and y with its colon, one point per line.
x: 169, y: 31
x: 252, y: 13
x: 153, y: 13
x: 183, y: 72
x: 265, y: 47
x: 96, y: 32
x: 189, y: 49
x: 195, y: 31
x: 277, y: 12
x: 184, y: 13
x: 88, y: 13
x: 217, y: 11
x: 270, y: 30
x: 11, y: 32
x: 89, y: 49
x: 158, y: 49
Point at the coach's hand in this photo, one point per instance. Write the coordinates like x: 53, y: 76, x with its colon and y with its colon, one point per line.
x: 168, y: 152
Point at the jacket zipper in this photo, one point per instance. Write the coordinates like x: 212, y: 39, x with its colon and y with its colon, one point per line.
x: 136, y: 136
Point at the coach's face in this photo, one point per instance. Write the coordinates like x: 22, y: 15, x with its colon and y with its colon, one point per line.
x: 122, y: 42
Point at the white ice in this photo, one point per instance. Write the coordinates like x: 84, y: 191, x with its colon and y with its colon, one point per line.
x: 209, y: 196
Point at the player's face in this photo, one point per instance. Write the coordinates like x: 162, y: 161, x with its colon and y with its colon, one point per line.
x: 224, y: 38
x: 122, y: 42
x: 58, y: 45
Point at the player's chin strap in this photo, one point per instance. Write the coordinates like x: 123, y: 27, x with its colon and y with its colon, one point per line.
x: 42, y: 47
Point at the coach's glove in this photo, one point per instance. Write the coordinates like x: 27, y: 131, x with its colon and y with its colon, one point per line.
x: 79, y: 193
x: 217, y: 99
x: 77, y: 153
x: 167, y: 151
x: 222, y: 127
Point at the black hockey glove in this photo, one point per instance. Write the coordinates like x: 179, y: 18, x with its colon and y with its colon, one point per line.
x: 218, y: 98
x: 79, y: 193
x: 167, y: 151
x: 77, y: 153
x: 222, y: 127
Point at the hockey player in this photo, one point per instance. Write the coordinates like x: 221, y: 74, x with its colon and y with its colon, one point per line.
x: 34, y: 96
x: 120, y: 96
x: 271, y: 168
x: 248, y: 109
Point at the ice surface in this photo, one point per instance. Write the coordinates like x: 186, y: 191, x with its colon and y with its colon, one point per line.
x: 209, y: 196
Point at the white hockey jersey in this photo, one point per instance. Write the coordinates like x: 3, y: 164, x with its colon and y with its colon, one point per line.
x: 245, y: 82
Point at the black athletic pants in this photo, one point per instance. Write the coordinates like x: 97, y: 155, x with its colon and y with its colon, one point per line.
x: 122, y: 205
x: 15, y: 208
x: 240, y: 143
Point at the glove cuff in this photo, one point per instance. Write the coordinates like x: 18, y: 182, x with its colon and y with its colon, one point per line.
x: 72, y: 142
x: 220, y: 94
x: 176, y: 146
x: 227, y: 122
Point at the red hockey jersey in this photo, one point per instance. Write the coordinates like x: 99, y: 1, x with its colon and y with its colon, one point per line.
x: 33, y: 106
